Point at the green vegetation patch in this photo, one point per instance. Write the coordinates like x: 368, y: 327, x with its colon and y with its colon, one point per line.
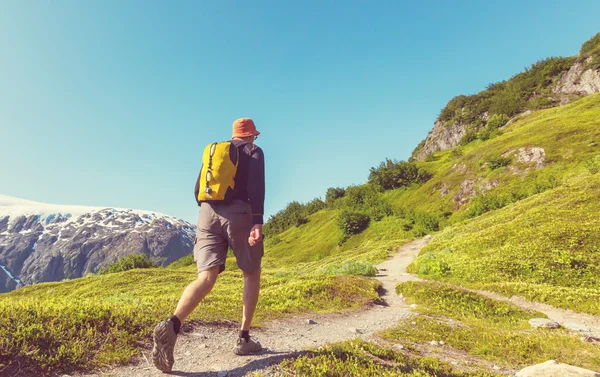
x: 360, y: 358
x: 491, y: 330
x: 127, y: 263
x: 545, y: 248
x: 350, y: 268
x: 103, y: 320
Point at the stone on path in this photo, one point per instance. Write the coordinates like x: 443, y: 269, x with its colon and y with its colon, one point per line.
x: 552, y: 368
x: 356, y: 331
x: 310, y: 322
x: 576, y: 327
x: 544, y: 323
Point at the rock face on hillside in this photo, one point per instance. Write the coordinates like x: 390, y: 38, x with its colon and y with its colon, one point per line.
x: 443, y: 136
x: 577, y: 81
x: 41, y: 243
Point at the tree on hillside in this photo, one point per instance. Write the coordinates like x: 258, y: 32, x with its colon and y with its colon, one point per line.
x: 334, y: 193
x: 392, y: 174
x: 294, y: 214
x: 128, y: 262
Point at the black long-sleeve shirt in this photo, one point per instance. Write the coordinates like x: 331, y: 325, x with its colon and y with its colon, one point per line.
x: 249, y: 180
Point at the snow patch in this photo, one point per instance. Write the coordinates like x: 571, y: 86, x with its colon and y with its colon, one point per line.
x: 3, y: 267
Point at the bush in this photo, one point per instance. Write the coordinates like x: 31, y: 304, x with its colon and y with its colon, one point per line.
x: 457, y: 152
x: 489, y: 202
x: 128, y: 263
x: 352, y: 223
x: 469, y: 136
x: 593, y: 164
x: 294, y: 214
x: 334, y: 193
x: 483, y: 134
x: 424, y: 221
x: 188, y: 260
x: 496, y: 162
x: 314, y: 206
x: 377, y: 208
x: 356, y: 195
x: 497, y: 121
x: 351, y: 268
x: 591, y: 47
x: 392, y: 174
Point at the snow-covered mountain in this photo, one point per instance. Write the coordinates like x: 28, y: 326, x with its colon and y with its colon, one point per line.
x: 43, y: 242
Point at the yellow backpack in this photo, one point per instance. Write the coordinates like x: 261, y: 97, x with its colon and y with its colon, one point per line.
x: 219, y: 168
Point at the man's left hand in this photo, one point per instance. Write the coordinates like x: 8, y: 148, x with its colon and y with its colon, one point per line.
x: 256, y: 235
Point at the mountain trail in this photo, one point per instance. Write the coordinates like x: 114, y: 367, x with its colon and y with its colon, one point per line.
x: 207, y: 351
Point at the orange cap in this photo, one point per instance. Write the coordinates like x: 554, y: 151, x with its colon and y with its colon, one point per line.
x: 244, y: 127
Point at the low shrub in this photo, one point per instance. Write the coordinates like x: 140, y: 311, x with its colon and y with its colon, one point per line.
x: 334, y: 193
x: 392, y: 174
x: 593, y: 164
x: 352, y: 223
x: 128, y: 263
x: 497, y: 121
x: 188, y: 260
x: 294, y: 214
x: 496, y: 162
x: 351, y: 268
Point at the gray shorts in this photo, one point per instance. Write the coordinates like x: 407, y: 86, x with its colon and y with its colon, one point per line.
x: 223, y: 225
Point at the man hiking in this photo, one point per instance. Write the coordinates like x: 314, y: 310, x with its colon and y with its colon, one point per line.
x: 230, y: 191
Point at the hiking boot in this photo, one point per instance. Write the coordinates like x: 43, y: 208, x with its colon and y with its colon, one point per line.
x: 164, y: 342
x: 246, y: 347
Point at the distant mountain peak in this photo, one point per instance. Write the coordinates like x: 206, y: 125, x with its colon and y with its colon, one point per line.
x: 47, y: 242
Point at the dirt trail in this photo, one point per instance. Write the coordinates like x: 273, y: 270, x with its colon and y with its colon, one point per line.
x: 207, y: 351
x: 587, y: 324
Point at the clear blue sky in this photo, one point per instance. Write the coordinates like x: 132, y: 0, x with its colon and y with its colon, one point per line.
x: 110, y: 103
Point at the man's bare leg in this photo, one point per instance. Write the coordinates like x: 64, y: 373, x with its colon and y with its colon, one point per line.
x: 165, y: 333
x: 195, y: 292
x: 251, y: 291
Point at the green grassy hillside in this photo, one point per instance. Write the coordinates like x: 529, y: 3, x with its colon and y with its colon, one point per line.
x: 532, y: 89
x: 546, y: 248
x: 569, y: 136
x: 103, y: 320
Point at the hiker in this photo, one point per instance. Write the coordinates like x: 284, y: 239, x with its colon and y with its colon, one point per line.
x: 230, y: 191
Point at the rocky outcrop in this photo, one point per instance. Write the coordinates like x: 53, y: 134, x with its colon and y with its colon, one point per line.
x: 579, y: 80
x: 532, y: 156
x: 42, y: 246
x: 554, y: 369
x: 526, y: 159
x: 443, y: 136
x: 469, y: 188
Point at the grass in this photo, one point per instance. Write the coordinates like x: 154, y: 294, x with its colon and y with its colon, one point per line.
x: 314, y: 246
x: 569, y: 135
x: 104, y: 320
x: 360, y: 358
x: 546, y: 248
x: 351, y: 268
x: 491, y: 330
